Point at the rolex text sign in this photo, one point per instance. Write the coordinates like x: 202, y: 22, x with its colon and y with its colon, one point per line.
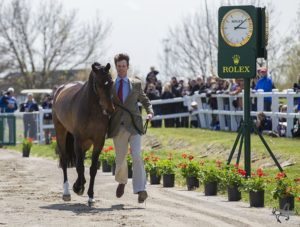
x: 237, y: 42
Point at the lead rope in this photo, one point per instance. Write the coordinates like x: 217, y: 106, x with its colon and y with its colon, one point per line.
x: 146, y: 126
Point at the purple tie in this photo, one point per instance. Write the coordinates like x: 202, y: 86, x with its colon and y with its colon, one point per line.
x: 120, y: 91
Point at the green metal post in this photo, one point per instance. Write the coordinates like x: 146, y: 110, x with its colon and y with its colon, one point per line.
x: 247, y: 125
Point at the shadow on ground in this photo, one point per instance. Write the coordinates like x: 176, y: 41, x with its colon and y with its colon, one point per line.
x: 79, y: 208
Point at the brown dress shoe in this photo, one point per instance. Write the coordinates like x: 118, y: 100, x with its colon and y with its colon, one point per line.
x: 143, y: 195
x: 120, y: 190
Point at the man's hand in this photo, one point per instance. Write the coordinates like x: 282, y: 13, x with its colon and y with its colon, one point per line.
x: 149, y: 116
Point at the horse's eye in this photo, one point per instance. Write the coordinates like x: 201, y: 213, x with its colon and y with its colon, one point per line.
x: 106, y: 83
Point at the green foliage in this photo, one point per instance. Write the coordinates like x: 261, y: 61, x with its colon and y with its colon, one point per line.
x: 166, y: 166
x: 53, y: 143
x: 129, y: 159
x: 232, y: 175
x: 210, y: 173
x: 257, y: 182
x: 151, y: 166
x: 285, y: 187
x: 108, y: 154
x: 189, y: 167
x: 27, y: 143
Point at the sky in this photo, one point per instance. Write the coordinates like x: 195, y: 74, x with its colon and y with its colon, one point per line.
x: 140, y: 26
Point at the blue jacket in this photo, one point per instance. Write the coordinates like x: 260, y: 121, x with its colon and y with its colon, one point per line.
x: 265, y: 83
x: 5, y: 101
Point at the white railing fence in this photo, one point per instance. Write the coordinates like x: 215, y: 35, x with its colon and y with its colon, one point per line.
x: 228, y: 116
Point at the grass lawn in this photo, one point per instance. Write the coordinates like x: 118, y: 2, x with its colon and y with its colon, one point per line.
x: 207, y: 144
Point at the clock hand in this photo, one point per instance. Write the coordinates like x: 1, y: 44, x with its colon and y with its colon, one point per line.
x: 240, y: 24
x: 240, y: 28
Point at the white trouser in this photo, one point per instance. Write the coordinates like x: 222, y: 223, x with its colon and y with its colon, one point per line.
x: 121, y: 147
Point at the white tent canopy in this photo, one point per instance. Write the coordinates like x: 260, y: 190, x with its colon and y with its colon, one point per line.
x: 37, y: 91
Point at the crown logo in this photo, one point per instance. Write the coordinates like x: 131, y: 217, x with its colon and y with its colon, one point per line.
x: 236, y: 59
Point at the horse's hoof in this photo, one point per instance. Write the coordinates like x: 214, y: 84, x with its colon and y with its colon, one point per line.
x: 78, y: 191
x: 91, y: 202
x: 66, y: 197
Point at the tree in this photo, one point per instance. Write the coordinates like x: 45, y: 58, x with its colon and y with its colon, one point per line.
x: 37, y: 41
x: 288, y: 66
x: 193, y: 44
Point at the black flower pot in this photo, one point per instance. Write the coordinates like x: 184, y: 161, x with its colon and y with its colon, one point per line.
x: 287, y: 203
x: 210, y: 188
x: 113, y: 169
x: 129, y: 170
x: 26, y: 152
x: 105, y: 166
x: 192, y: 183
x: 154, y: 179
x: 168, y: 180
x: 233, y: 193
x: 257, y: 199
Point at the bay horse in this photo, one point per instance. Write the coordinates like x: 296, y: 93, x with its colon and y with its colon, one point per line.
x: 80, y: 116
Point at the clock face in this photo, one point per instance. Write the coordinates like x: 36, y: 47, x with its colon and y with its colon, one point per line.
x: 236, y: 27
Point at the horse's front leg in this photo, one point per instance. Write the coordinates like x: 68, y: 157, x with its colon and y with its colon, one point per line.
x: 93, y: 172
x: 78, y: 186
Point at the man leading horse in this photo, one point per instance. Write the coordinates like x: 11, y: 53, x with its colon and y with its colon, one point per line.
x: 126, y: 128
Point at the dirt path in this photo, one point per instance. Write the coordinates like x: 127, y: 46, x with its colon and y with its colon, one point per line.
x: 30, y: 195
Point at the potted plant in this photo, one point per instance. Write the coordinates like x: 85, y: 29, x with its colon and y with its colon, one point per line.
x: 285, y: 191
x: 256, y: 186
x: 53, y: 143
x: 26, y: 146
x: 105, y: 157
x: 167, y: 168
x: 210, y: 176
x: 152, y: 168
x: 190, y: 170
x: 232, y: 178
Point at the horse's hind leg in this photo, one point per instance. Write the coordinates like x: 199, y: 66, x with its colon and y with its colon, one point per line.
x: 78, y: 186
x: 61, y: 136
x: 66, y: 193
x: 93, y: 172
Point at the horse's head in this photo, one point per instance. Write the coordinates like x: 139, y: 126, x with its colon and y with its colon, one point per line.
x: 102, y: 85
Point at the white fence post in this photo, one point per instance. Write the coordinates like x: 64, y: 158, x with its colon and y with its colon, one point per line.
x: 41, y: 118
x: 233, y: 119
x: 220, y: 104
x: 290, y: 109
x: 260, y: 100
x: 275, y: 108
x: 201, y: 115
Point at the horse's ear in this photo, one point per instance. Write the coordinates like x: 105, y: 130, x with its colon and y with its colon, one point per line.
x: 107, y: 67
x: 96, y: 67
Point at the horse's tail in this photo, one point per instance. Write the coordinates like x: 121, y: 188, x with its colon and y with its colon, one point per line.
x: 69, y: 157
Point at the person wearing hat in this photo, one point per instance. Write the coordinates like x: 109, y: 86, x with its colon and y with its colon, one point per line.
x: 266, y: 84
x: 29, y: 119
x: 194, y: 121
x: 8, y: 104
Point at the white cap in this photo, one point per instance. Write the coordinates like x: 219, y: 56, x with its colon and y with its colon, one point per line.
x: 11, y: 89
x: 194, y: 103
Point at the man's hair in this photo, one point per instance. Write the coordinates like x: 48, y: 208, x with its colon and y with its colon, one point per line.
x: 121, y: 57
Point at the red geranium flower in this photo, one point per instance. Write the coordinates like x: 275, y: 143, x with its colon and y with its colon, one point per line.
x: 191, y: 157
x: 218, y: 163
x: 297, y: 180
x: 184, y: 155
x: 260, y: 172
x: 280, y: 175
x: 242, y: 172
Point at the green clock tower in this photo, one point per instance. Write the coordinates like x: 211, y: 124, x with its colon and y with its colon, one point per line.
x: 242, y: 33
